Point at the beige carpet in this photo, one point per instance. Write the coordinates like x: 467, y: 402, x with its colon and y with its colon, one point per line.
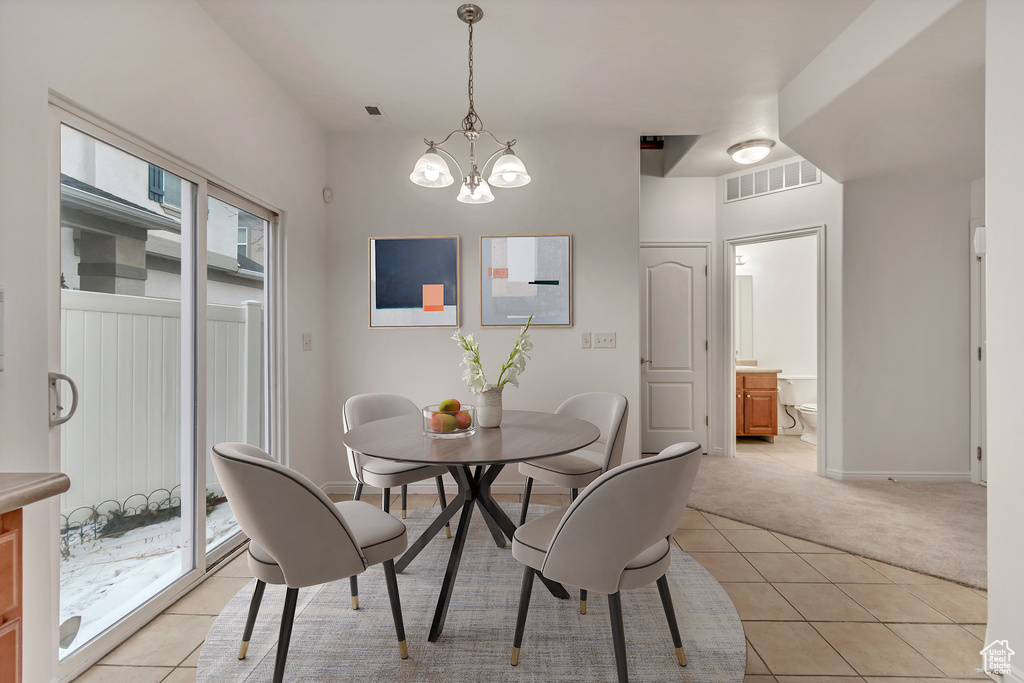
x: 936, y: 529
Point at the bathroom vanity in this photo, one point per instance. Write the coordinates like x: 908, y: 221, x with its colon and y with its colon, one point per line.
x: 757, y: 402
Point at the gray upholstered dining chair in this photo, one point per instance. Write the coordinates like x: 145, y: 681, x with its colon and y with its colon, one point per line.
x: 576, y: 470
x: 385, y: 474
x: 613, y: 537
x: 299, y: 538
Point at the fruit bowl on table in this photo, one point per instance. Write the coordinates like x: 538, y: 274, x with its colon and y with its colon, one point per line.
x: 449, y: 424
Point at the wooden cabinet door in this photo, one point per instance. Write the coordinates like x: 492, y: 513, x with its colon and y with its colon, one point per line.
x: 760, y: 412
x: 10, y: 652
x: 740, y: 420
x: 10, y: 597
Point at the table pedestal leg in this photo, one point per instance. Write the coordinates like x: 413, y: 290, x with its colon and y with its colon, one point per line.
x: 432, y: 530
x: 474, y: 491
x: 462, y: 476
x: 482, y: 493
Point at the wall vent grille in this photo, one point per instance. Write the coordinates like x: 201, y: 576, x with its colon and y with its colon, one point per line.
x: 786, y: 176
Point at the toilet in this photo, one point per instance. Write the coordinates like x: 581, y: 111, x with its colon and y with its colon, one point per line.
x: 809, y: 419
x: 800, y: 392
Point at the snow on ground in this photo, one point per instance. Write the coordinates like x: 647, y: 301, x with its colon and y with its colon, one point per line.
x: 105, y: 579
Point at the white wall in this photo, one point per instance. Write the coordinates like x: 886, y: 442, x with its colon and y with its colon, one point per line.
x: 1004, y: 214
x: 785, y: 303
x: 804, y: 207
x: 677, y: 209
x: 906, y: 314
x: 167, y: 73
x: 584, y: 183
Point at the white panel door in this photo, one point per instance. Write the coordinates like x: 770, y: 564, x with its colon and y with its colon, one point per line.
x: 673, y: 346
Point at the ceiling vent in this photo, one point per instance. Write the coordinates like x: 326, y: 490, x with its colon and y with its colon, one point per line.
x: 786, y: 176
x: 376, y: 113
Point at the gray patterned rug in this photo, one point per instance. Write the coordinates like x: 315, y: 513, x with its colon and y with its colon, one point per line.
x: 331, y: 642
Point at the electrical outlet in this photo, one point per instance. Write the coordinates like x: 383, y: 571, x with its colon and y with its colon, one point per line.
x: 604, y: 340
x: 585, y: 341
x: 307, y: 341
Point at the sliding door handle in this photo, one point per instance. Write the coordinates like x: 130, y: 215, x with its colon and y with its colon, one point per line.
x: 56, y: 418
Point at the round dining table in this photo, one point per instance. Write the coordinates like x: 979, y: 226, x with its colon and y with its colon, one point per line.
x: 475, y: 462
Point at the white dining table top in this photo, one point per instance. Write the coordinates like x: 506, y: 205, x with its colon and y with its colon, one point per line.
x: 523, y: 435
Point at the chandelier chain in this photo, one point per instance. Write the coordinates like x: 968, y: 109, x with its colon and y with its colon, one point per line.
x: 472, y: 120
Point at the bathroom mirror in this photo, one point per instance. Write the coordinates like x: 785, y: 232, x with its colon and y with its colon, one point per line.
x: 743, y: 316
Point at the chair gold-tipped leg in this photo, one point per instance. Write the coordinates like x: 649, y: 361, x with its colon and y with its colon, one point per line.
x: 243, y: 649
x: 403, y: 649
x: 403, y: 514
x: 515, y: 656
x: 448, y: 530
x: 681, y: 656
x: 355, y: 602
x: 583, y: 606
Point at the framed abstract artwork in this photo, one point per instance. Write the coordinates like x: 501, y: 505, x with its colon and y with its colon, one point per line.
x: 524, y: 275
x: 414, y: 282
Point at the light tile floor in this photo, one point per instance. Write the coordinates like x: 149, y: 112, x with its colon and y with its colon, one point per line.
x: 787, y: 451
x: 810, y: 613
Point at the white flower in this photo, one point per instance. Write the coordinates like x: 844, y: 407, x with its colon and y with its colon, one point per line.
x: 473, y: 375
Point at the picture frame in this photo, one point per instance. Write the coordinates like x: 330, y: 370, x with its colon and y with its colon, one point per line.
x: 523, y: 275
x: 413, y: 282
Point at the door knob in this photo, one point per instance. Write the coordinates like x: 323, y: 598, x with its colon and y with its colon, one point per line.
x: 644, y: 360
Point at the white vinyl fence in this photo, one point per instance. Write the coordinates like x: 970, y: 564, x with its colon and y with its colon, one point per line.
x: 124, y: 352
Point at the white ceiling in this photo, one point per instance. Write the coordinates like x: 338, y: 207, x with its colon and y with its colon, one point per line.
x: 662, y: 67
x: 921, y: 111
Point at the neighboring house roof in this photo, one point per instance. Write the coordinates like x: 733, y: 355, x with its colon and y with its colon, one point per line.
x: 245, y: 263
x: 81, y: 204
x: 91, y: 189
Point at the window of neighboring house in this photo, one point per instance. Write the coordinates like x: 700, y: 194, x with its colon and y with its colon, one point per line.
x: 164, y: 187
x: 243, y: 242
x: 156, y: 183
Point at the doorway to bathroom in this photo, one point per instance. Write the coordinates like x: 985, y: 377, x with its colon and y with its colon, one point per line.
x: 775, y: 312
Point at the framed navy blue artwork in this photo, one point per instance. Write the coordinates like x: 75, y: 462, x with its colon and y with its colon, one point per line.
x: 524, y: 275
x: 414, y: 282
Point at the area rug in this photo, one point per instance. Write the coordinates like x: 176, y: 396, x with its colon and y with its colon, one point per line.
x: 936, y: 529
x: 332, y: 642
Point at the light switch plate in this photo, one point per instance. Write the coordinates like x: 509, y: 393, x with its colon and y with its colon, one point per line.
x: 604, y: 340
x: 307, y: 341
x: 585, y: 341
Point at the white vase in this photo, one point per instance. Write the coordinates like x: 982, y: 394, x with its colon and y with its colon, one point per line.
x: 488, y: 412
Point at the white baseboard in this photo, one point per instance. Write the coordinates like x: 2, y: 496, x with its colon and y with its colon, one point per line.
x: 930, y: 477
x: 719, y: 451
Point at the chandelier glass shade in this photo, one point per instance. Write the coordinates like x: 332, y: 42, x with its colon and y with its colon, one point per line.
x: 507, y: 170
x: 431, y: 171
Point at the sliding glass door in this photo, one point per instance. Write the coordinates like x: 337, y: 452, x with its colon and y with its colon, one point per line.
x: 163, y: 331
x: 236, y: 364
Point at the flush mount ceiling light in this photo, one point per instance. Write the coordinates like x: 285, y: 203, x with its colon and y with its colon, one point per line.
x: 750, y: 151
x: 508, y: 170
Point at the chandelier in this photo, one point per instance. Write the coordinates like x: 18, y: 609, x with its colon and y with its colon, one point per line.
x: 431, y: 169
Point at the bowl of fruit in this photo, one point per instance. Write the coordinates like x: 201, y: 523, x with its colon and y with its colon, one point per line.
x: 449, y: 419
